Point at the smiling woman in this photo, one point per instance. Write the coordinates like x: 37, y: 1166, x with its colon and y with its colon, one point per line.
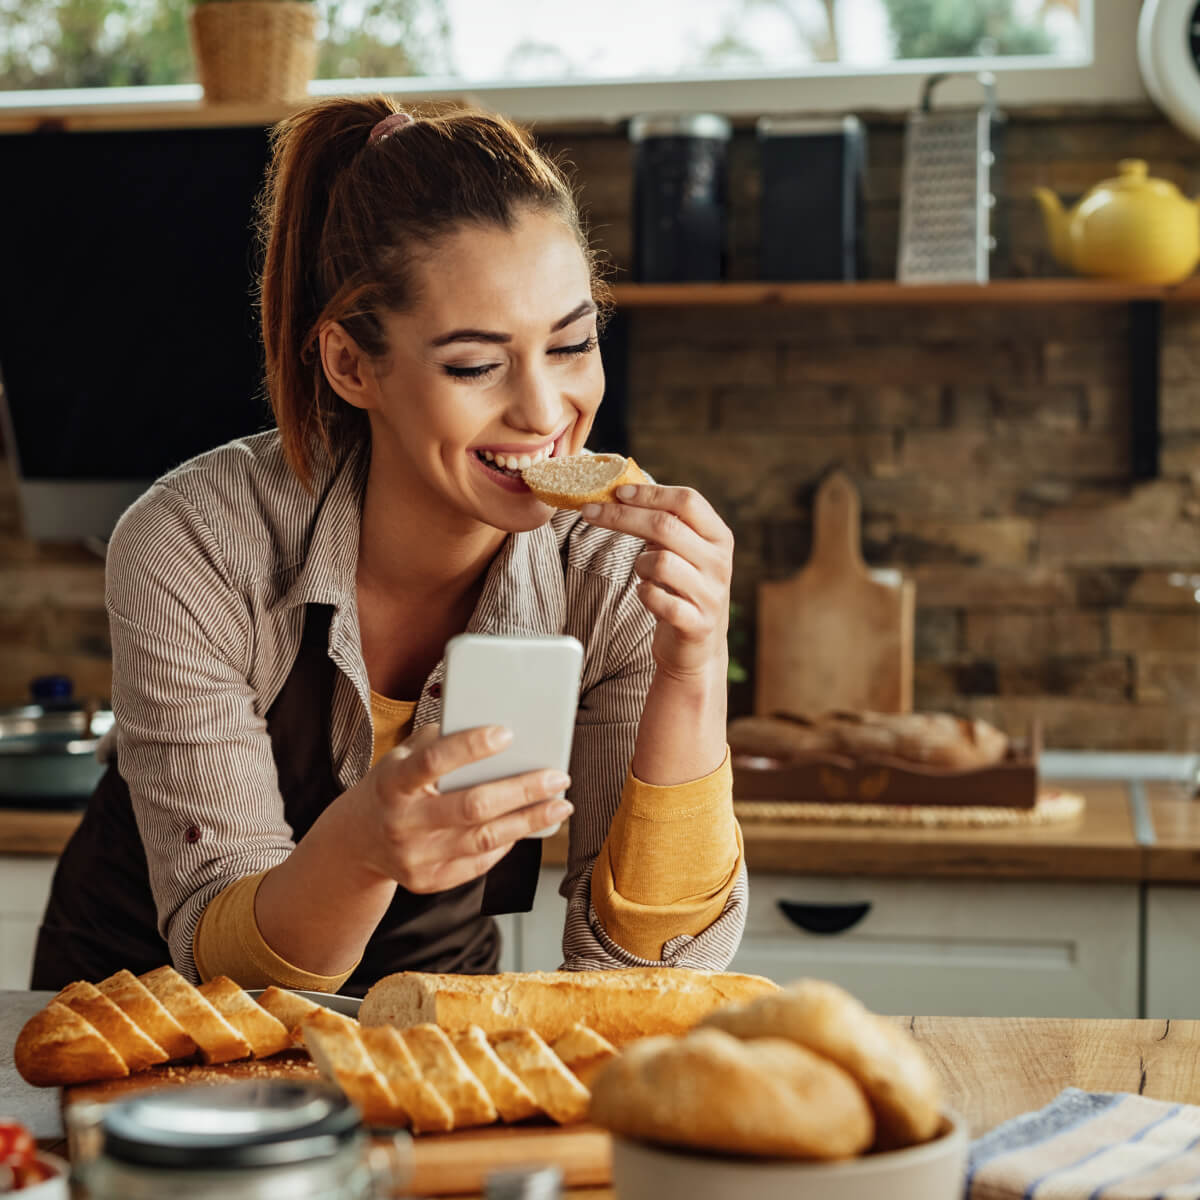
x: 279, y: 608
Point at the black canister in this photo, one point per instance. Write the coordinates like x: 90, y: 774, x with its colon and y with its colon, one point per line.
x: 679, y: 197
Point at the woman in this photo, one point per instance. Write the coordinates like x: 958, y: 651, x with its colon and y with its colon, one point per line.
x: 279, y: 607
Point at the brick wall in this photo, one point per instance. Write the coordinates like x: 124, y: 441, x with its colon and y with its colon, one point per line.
x: 990, y: 446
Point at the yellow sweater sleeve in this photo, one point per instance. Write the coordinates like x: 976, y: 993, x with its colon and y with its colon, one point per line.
x: 669, y: 863
x: 228, y: 942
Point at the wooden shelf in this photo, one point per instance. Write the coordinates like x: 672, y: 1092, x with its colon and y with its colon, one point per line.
x: 880, y: 292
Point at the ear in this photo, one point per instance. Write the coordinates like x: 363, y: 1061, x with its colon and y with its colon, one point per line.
x: 346, y: 366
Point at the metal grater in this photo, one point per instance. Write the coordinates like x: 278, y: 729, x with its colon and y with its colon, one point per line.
x: 946, y: 201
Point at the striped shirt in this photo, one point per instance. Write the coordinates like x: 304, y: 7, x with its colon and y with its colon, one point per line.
x: 207, y: 580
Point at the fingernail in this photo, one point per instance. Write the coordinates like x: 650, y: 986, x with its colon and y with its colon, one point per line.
x: 561, y: 810
x: 556, y: 781
x: 498, y: 736
x: 589, y: 511
x: 626, y: 491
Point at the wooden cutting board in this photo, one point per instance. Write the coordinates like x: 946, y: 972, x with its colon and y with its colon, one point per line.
x: 444, y: 1164
x: 831, y: 637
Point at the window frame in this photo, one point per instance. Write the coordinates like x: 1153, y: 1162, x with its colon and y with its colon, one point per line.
x: 1110, y: 76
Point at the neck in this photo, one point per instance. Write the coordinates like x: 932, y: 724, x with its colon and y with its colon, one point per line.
x: 413, y: 549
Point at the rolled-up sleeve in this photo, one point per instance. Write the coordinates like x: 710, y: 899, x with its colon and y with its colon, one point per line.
x: 608, y: 799
x: 192, y: 747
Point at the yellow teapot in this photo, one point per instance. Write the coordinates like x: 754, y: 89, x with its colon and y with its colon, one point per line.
x: 1131, y: 227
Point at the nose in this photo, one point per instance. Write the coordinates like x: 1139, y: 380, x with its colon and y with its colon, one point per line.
x: 536, y: 405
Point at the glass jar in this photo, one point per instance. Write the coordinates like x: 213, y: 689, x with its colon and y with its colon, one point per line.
x: 269, y: 1139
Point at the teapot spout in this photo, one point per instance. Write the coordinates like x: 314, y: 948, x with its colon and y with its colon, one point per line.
x: 1055, y: 218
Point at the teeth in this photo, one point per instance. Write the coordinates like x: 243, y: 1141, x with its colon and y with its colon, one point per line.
x: 516, y: 462
x: 524, y: 461
x: 488, y: 455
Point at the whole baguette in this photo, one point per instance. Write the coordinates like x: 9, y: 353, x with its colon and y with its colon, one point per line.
x: 619, y: 1005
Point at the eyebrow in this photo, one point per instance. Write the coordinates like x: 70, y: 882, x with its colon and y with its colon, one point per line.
x: 484, y: 335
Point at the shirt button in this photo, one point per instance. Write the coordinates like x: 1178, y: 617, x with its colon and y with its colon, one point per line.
x: 435, y: 690
x: 192, y: 833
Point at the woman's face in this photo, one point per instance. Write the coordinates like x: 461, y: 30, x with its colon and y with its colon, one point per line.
x: 495, y: 364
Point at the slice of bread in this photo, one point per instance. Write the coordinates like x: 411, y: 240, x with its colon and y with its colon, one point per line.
x: 138, y: 1050
x: 289, y: 1009
x: 57, y: 1047
x: 395, y: 1062
x: 334, y: 1043
x: 513, y: 1100
x: 444, y: 1068
x: 266, y: 1034
x: 218, y: 1040
x: 555, y: 1089
x: 580, y: 479
x: 584, y: 1052
x: 147, y: 1012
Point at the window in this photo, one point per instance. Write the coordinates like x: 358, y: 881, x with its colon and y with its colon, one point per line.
x: 542, y: 59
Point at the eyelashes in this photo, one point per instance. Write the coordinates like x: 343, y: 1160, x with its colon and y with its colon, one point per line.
x: 560, y: 352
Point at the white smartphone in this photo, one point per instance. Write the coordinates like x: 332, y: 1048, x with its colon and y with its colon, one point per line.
x: 527, y: 684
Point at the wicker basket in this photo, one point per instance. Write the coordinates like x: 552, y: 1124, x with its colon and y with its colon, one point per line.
x: 255, y: 51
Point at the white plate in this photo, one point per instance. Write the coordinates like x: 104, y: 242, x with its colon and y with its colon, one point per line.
x: 933, y: 1171
x: 342, y: 1004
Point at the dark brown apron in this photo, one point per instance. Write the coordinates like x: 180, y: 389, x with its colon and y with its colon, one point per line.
x: 101, y: 914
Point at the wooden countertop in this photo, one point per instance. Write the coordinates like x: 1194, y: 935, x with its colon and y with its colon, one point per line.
x: 993, y: 1069
x: 1147, y: 832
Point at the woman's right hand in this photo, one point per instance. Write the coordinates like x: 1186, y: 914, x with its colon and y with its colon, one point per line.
x: 430, y: 841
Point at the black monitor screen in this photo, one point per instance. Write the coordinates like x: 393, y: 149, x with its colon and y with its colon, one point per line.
x: 128, y: 338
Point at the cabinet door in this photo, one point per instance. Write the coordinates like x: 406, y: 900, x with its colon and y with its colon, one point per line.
x: 24, y: 888
x: 1172, y: 951
x: 541, y: 930
x: 951, y: 947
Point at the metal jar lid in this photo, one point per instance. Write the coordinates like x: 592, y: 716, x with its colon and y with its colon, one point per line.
x: 246, y: 1124
x: 695, y: 125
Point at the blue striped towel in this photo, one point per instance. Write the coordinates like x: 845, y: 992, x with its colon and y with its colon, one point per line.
x: 1091, y: 1146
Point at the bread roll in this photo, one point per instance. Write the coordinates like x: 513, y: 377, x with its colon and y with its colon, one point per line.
x: 580, y: 479
x: 714, y: 1092
x: 889, y: 1065
x: 619, y: 1005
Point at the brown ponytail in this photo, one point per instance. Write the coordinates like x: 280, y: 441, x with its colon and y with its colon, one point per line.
x: 339, y: 219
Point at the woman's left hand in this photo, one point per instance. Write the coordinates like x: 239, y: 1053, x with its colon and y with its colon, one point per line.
x: 685, y: 571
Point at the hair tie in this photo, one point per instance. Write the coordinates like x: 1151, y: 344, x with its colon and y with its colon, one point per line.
x: 388, y: 125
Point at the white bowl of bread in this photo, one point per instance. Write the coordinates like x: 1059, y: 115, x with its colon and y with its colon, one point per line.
x: 802, y: 1093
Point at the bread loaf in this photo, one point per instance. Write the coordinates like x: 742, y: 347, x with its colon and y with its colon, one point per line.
x: 580, y: 479
x: 619, y: 1005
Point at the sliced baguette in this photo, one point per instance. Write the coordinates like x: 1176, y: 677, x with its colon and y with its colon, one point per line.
x: 289, y: 1009
x: 147, y: 1012
x: 395, y: 1062
x: 57, y: 1047
x: 556, y: 1090
x: 266, y: 1034
x: 580, y: 479
x: 513, y: 1100
x: 138, y: 1050
x: 444, y: 1068
x: 335, y: 1046
x: 218, y: 1040
x: 619, y: 1005
x: 584, y: 1052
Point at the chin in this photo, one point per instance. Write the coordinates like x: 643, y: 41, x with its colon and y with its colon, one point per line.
x: 534, y: 517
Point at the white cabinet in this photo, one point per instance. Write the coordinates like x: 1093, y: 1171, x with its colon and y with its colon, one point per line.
x: 1172, y: 951
x: 952, y: 947
x: 935, y: 947
x: 24, y: 888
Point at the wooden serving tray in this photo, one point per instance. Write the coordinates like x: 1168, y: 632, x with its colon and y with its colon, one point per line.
x: 880, y: 779
x: 444, y: 1164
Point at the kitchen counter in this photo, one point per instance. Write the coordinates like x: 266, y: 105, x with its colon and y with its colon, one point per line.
x: 991, y: 1069
x: 1129, y: 832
